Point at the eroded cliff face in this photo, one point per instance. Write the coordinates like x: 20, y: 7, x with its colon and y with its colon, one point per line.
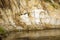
x: 29, y: 14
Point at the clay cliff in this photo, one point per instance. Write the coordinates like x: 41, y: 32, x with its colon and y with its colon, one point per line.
x: 29, y: 14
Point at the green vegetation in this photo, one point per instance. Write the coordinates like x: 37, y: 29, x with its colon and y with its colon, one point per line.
x: 2, y: 30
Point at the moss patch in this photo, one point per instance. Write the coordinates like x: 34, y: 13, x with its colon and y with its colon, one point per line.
x: 2, y: 30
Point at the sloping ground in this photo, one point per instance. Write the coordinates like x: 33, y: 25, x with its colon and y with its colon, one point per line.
x: 35, y: 35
